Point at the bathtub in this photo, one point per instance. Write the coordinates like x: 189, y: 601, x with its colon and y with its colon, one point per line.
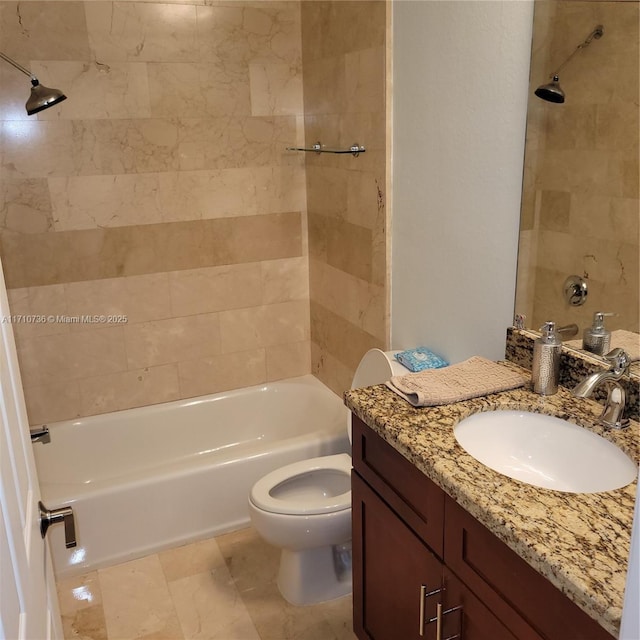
x: 146, y: 479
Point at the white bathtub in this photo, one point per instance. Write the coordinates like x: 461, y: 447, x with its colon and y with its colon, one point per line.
x: 142, y: 480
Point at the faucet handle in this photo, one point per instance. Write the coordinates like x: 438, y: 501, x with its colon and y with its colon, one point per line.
x: 619, y: 360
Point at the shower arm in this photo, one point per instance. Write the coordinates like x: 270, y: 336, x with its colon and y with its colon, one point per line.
x: 19, y: 67
x: 597, y: 33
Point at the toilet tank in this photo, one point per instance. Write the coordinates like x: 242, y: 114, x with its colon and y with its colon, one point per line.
x: 376, y: 367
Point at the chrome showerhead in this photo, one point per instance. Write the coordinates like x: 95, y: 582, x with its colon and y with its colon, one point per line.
x: 551, y: 92
x: 41, y: 97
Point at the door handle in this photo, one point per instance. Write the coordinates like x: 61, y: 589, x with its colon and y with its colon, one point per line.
x: 53, y: 516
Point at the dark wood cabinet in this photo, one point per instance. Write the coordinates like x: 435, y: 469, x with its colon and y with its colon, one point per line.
x: 418, y: 556
x: 398, y: 570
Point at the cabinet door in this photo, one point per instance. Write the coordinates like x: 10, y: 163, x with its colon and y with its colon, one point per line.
x: 465, y: 617
x: 392, y: 572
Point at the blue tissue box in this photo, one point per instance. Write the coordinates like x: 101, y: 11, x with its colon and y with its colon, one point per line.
x: 419, y: 359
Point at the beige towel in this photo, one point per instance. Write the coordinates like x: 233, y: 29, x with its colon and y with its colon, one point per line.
x: 620, y: 339
x: 472, y: 378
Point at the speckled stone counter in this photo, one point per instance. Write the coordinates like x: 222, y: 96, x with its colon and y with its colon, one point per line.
x: 580, y: 542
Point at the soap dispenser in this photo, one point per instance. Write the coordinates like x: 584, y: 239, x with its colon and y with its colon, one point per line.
x: 596, y: 338
x: 546, y: 360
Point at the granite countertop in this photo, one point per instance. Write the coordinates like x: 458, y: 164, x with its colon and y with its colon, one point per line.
x: 580, y: 542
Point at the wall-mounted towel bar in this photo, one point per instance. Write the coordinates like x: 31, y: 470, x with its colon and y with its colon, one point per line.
x: 355, y: 149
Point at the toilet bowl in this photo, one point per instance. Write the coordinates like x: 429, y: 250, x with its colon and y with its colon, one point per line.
x: 305, y: 509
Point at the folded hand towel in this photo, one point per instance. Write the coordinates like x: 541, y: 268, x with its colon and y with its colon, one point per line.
x: 419, y: 359
x: 472, y: 378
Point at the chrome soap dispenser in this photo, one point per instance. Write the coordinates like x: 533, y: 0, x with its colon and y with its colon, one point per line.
x: 545, y: 372
x: 596, y: 338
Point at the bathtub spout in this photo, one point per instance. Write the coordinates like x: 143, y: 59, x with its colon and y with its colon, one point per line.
x: 40, y: 434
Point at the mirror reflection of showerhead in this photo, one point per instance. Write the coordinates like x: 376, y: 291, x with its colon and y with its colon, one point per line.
x: 552, y: 92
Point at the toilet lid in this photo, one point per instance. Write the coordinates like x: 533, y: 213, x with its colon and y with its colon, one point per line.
x: 313, y: 486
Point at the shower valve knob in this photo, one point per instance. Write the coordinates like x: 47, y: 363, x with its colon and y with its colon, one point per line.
x: 53, y: 516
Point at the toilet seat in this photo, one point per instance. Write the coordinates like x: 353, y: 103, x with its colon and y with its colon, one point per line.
x: 314, y: 486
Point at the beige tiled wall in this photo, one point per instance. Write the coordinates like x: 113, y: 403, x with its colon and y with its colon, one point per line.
x: 161, y: 191
x: 343, y: 46
x: 581, y: 195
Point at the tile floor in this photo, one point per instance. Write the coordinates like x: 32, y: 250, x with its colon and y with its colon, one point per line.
x: 217, y: 589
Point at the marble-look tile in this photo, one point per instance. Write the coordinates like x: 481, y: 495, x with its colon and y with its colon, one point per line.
x: 212, y: 289
x: 171, y: 340
x: 64, y: 148
x: 79, y: 592
x: 555, y: 210
x: 37, y: 149
x: 51, y: 402
x: 199, y: 89
x: 41, y: 311
x: 253, y: 565
x: 136, y: 298
x: 191, y: 559
x: 222, y: 372
x: 96, y: 89
x: 207, y: 194
x: 44, y: 30
x: 345, y: 341
x: 276, y: 89
x: 128, y: 389
x: 330, y: 370
x: 25, y: 206
x: 359, y: 302
x: 288, y: 360
x: 149, y: 32
x: 264, y: 326
x: 283, y: 280
x: 210, y: 608
x: 72, y: 356
x: 280, y: 188
x: 365, y: 199
x: 328, y: 27
x: 90, y: 202
x: 93, y: 254
x: 85, y: 624
x: 137, y: 602
x: 221, y: 588
x: 245, y: 31
x: 235, y: 141
x: 349, y: 248
x: 365, y: 80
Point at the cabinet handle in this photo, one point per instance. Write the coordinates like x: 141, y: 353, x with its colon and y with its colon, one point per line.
x: 424, y: 594
x: 438, y: 620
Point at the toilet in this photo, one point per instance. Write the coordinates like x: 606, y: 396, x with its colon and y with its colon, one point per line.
x: 305, y: 509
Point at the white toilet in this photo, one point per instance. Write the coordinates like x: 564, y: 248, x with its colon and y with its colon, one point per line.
x: 305, y: 508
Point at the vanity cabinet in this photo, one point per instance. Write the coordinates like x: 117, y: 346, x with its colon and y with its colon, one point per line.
x: 424, y: 569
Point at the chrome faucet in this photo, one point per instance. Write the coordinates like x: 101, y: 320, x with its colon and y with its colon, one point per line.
x: 614, y: 407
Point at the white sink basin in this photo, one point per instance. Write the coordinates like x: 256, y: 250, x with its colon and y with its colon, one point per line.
x: 545, y: 451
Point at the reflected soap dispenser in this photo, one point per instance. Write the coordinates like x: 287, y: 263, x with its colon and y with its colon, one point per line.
x: 596, y: 338
x: 545, y: 372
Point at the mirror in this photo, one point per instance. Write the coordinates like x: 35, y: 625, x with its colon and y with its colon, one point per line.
x: 580, y: 198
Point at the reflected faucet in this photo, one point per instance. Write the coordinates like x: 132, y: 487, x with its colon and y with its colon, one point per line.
x: 614, y: 407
